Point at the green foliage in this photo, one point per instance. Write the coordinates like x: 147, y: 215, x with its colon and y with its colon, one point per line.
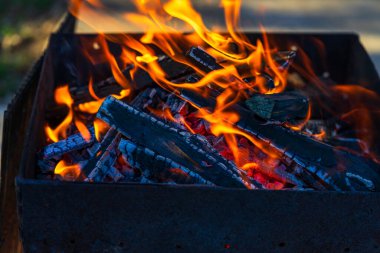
x: 18, y: 19
x: 35, y: 4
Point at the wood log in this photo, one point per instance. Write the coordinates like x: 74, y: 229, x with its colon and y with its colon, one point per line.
x: 112, y: 134
x: 207, y: 63
x: 49, y: 156
x: 157, y: 165
x: 281, y: 107
x: 108, y: 139
x: 326, y: 164
x: 140, y: 80
x: 202, y: 59
x: 104, y: 165
x: 180, y: 146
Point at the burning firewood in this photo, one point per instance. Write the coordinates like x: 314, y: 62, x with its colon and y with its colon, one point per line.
x: 323, y: 162
x: 104, y: 165
x: 140, y: 80
x: 157, y: 165
x: 175, y: 144
x: 51, y: 154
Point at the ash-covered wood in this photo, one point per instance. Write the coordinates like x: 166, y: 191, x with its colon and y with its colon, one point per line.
x: 140, y: 80
x: 71, y: 143
x: 180, y: 146
x: 51, y: 154
x: 159, y: 167
x: 110, y: 136
x: 281, y: 107
x: 104, y: 165
x: 326, y: 164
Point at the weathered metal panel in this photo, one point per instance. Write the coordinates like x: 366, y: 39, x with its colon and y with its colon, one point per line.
x: 78, y: 217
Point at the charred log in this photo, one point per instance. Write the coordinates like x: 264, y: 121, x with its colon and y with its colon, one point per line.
x: 326, y: 164
x: 282, y: 107
x: 51, y: 154
x: 140, y: 80
x: 158, y: 166
x: 107, y: 141
x: 104, y: 165
x: 180, y: 146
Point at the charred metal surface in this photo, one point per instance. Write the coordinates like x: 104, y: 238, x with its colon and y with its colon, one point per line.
x: 150, y: 218
x: 325, y: 163
x: 176, y: 144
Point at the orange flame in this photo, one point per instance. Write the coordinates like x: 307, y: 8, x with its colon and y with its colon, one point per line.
x: 62, y: 97
x: 67, y: 172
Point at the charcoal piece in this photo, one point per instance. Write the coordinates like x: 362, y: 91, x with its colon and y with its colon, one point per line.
x: 73, y: 142
x: 104, y: 165
x: 326, y: 164
x: 108, y: 139
x: 158, y: 166
x: 174, y: 104
x: 114, y: 174
x: 140, y: 80
x: 96, y: 152
x: 202, y: 59
x: 50, y: 155
x: 281, y: 107
x: 180, y: 146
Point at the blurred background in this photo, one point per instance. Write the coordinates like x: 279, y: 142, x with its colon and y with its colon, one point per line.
x: 26, y: 24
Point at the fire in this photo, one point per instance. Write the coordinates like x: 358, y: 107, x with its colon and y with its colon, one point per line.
x: 239, y: 60
x: 67, y: 172
x: 62, y: 97
x: 233, y: 50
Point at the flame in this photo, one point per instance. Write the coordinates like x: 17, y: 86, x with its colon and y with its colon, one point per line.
x: 67, y: 172
x: 62, y: 97
x: 161, y: 22
x: 222, y: 122
x: 100, y: 128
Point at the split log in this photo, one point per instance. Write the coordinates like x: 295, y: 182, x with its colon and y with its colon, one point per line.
x: 140, y: 80
x: 157, y: 165
x: 49, y: 156
x: 201, y: 59
x: 326, y: 164
x: 282, y: 107
x: 180, y: 146
x: 111, y: 135
x: 108, y: 139
x: 104, y: 165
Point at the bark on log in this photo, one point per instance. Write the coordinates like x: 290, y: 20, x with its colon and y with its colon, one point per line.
x: 180, y: 146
